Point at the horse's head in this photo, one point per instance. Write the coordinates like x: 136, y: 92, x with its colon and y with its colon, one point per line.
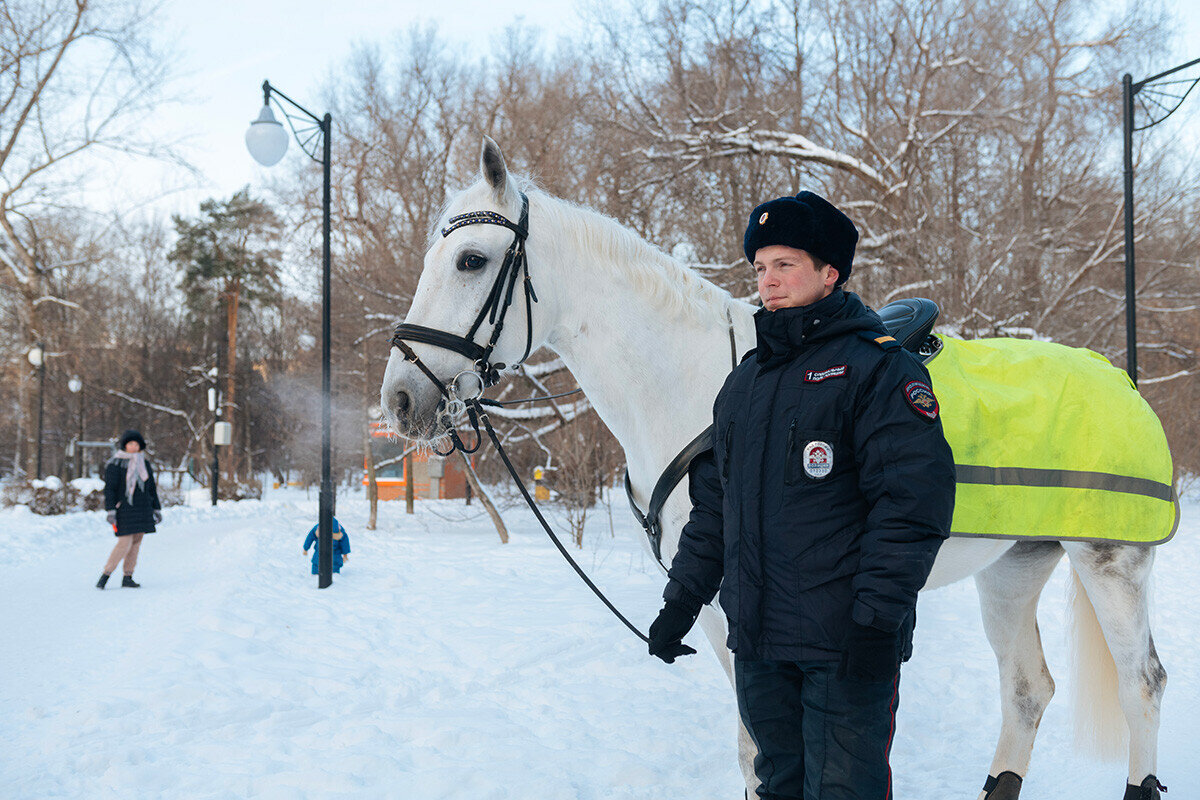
x: 474, y: 275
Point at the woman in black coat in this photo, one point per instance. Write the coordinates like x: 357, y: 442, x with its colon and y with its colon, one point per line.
x: 131, y: 499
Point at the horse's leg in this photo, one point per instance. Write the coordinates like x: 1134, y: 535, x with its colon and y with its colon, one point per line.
x: 1116, y: 579
x: 1009, y: 589
x: 712, y: 622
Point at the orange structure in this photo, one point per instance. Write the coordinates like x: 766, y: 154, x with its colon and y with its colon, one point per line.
x: 433, y: 477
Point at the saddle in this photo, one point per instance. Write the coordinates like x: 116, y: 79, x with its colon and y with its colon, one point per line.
x: 910, y: 322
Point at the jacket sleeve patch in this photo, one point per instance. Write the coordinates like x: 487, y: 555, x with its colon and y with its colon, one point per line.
x: 921, y: 399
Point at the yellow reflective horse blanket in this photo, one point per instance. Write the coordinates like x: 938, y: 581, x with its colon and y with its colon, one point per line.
x: 1051, y: 442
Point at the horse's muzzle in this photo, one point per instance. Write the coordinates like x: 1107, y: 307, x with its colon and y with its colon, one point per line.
x: 410, y: 403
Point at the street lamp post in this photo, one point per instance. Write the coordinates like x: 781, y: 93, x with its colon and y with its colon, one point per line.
x: 37, y: 357
x: 1158, y: 103
x: 213, y: 407
x: 76, y: 387
x: 267, y: 141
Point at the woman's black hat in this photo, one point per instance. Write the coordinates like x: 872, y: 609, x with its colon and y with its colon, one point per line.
x: 131, y: 436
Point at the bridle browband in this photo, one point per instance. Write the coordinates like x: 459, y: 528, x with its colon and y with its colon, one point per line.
x: 494, y: 310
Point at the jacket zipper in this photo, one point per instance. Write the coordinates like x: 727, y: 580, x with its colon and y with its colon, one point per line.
x: 789, y: 471
x: 728, y: 451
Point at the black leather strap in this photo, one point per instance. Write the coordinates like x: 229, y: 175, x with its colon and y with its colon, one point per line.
x: 447, y: 341
x: 489, y: 217
x: 550, y: 532
x: 651, y: 521
x: 671, y: 477
x: 1011, y: 780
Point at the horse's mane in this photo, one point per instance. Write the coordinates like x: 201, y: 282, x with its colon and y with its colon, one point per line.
x: 673, y: 286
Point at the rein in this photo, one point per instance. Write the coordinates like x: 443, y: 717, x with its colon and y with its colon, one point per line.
x: 494, y: 309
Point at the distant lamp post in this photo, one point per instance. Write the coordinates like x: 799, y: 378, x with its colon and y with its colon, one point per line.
x: 1160, y: 100
x: 37, y: 357
x: 213, y: 407
x: 267, y: 141
x: 76, y: 387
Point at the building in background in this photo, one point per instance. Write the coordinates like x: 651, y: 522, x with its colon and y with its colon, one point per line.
x: 433, y: 477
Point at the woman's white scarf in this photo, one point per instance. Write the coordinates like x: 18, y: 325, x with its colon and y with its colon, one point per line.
x: 135, y: 472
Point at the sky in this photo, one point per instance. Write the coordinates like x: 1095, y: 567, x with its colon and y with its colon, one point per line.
x: 222, y: 51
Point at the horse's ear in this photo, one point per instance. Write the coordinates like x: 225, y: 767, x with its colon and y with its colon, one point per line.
x: 491, y: 164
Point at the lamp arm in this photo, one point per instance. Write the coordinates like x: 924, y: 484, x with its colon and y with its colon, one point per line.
x: 269, y: 90
x: 1138, y: 86
x: 305, y: 140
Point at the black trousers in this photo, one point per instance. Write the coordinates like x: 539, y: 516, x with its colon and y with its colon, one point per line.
x: 819, y: 737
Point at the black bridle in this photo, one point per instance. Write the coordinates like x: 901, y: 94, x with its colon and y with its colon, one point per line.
x: 494, y: 310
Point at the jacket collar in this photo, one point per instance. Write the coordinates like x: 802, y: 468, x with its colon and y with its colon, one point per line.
x: 785, y: 333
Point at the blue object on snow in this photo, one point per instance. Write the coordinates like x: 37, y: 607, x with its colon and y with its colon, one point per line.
x: 340, y: 546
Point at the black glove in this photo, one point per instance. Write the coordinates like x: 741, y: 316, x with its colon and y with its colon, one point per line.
x: 112, y: 518
x: 669, y: 628
x: 869, y: 655
x: 157, y: 516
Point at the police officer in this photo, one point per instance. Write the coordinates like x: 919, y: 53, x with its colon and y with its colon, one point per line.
x: 817, y: 514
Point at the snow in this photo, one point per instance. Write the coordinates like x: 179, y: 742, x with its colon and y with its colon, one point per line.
x: 444, y: 664
x: 86, y: 485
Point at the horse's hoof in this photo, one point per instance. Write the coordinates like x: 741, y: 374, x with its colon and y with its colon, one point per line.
x: 1149, y: 789
x: 1005, y: 786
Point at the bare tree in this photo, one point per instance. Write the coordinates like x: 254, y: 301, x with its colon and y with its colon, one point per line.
x: 55, y: 107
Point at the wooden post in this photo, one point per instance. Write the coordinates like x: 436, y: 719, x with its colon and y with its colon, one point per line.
x: 473, y: 483
x: 408, y: 484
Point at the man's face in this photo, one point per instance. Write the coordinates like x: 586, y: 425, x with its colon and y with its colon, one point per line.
x: 787, y: 277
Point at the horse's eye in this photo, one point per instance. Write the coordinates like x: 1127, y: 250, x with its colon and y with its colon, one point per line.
x: 468, y: 262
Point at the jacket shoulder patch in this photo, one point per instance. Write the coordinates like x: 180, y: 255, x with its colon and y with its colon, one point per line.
x: 882, y: 339
x: 921, y: 399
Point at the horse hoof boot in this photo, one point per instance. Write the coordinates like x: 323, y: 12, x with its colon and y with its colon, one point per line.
x: 1149, y: 789
x: 1005, y: 786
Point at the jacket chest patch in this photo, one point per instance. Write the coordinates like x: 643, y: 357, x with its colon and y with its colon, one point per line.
x: 816, y: 376
x: 921, y: 399
x: 818, y: 459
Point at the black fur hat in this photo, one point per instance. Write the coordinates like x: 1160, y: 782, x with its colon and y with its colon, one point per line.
x: 131, y: 436
x: 807, y: 222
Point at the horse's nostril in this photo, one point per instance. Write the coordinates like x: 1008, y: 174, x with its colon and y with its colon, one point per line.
x: 403, y: 402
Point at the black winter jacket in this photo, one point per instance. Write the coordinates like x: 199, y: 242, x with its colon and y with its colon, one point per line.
x: 828, y: 491
x: 135, y: 517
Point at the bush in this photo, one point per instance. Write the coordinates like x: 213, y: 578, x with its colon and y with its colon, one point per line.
x: 16, y: 492
x: 51, y: 496
x: 91, y: 494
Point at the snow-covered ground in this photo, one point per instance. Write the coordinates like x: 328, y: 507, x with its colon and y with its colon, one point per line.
x: 443, y: 664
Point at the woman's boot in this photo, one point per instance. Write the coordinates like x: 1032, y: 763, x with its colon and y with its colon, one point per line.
x: 103, y: 580
x: 128, y: 581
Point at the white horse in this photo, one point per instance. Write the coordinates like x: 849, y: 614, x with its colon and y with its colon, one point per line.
x: 648, y: 342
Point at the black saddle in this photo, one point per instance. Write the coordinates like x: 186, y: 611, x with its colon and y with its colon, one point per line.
x: 910, y: 322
